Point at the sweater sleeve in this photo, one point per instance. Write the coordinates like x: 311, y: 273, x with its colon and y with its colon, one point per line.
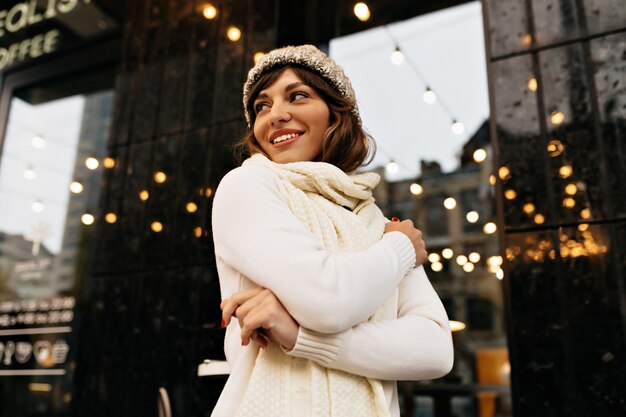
x: 415, y: 346
x: 256, y: 234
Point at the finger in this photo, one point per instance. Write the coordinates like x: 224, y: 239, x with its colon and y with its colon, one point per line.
x: 231, y: 304
x: 259, y: 317
x: 242, y: 310
x: 258, y: 338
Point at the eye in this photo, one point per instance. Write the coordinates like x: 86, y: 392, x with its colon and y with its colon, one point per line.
x: 259, y: 107
x: 298, y: 95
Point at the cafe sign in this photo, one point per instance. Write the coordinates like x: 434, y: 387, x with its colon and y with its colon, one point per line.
x: 25, y: 14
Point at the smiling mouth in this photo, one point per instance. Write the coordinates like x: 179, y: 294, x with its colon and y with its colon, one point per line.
x: 285, y: 137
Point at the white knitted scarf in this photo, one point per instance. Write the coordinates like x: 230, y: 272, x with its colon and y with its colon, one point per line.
x: 340, y: 210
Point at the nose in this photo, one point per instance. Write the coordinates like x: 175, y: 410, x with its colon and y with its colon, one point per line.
x: 279, y: 114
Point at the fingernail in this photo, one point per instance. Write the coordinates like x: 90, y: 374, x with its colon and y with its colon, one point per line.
x: 395, y: 219
x: 223, y: 324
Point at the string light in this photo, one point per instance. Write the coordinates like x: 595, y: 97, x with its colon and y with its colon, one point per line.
x: 108, y: 162
x: 144, y: 195
x: 510, y: 194
x: 532, y: 84
x: 474, y: 257
x: 362, y: 11
x: 156, y: 227
x: 457, y: 127
x: 38, y: 142
x: 29, y: 173
x: 480, y: 155
x: 468, y: 267
x: 555, y: 148
x: 569, y: 202
x: 191, y: 207
x: 500, y: 274
x: 397, y: 57
x: 392, y: 167
x: 449, y: 203
x: 556, y: 117
x: 209, y: 11
x: 197, y: 231
x: 92, y: 163
x: 436, y: 266
x: 433, y: 257
x: 528, y: 208
x: 87, y: 219
x: 472, y: 216
x: 571, y: 189
x: 429, y: 96
x: 504, y: 173
x: 258, y: 56
x: 233, y: 33
x: 447, y: 253
x: 37, y: 206
x: 566, y: 171
x: 585, y: 214
x: 461, y: 260
x: 492, y: 179
x: 76, y: 187
x: 490, y: 228
x: 416, y: 189
x: 456, y: 326
x: 583, y: 227
x: 110, y: 218
x: 494, y: 260
x: 160, y: 177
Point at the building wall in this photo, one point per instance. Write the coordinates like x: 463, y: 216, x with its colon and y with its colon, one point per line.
x: 558, y: 102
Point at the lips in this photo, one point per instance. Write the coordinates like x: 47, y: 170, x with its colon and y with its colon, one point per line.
x: 284, y: 135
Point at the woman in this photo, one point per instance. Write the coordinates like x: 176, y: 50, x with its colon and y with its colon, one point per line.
x: 326, y: 303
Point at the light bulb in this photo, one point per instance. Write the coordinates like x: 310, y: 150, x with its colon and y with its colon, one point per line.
x: 110, y: 218
x: 87, y: 219
x: 433, y: 257
x: 233, y: 33
x: 532, y: 84
x: 480, y: 155
x: 429, y: 96
x: 144, y: 195
x: 209, y: 11
x: 361, y: 11
x: 474, y: 257
x: 76, y: 187
x: 397, y: 58
x: 160, y: 177
x: 456, y: 326
x: 500, y: 274
x: 449, y: 203
x: 92, y: 163
x: 392, y: 167
x: 490, y: 228
x: 457, y: 127
x: 258, y: 56
x: 468, y: 267
x: 556, y: 117
x: 472, y: 216
x: 461, y: 260
x: 447, y: 253
x: 156, y: 227
x: 436, y: 266
x: 191, y: 207
x: 108, y: 162
x: 416, y: 189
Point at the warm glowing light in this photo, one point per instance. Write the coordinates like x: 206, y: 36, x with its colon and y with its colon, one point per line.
x: 583, y: 227
x: 29, y: 173
x: 447, y: 253
x: 429, y: 96
x: 87, y: 219
x: 585, y: 213
x: 108, y: 162
x: 457, y: 127
x: 474, y: 257
x: 468, y: 267
x: 110, y: 218
x: 571, y: 189
x: 565, y: 171
x: 532, y: 84
x: 37, y: 206
x: 569, y: 202
x: 397, y: 58
x: 156, y: 227
x: 392, y: 167
x: 208, y: 192
x: 160, y: 177
x: 92, y: 163
x: 528, y: 208
x: 39, y: 387
x: 492, y: 179
x: 233, y: 33
x: 480, y: 155
x: 500, y: 274
x: 209, y: 11
x: 527, y: 39
x: 461, y: 260
x: 449, y: 203
x: 433, y: 257
x: 436, y: 266
x: 510, y: 194
x: 197, y: 231
x: 76, y: 187
x: 191, y: 207
x: 556, y: 117
x: 38, y: 142
x: 539, y: 218
x: 494, y: 260
x: 472, y: 216
x: 144, y: 195
x: 504, y: 173
x: 490, y: 228
x: 361, y: 11
x: 555, y: 148
x: 456, y: 326
x: 258, y: 56
x: 416, y: 189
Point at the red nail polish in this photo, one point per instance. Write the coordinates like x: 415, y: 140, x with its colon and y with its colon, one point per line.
x: 395, y: 219
x: 223, y: 324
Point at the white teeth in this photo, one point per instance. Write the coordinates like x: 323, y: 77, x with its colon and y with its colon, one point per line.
x: 285, y: 137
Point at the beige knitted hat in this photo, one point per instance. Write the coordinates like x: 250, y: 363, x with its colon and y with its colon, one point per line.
x: 307, y: 56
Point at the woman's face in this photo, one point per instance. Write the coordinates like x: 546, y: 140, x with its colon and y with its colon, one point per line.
x: 291, y: 119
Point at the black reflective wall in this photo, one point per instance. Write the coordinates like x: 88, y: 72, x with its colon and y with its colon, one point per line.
x: 557, y: 72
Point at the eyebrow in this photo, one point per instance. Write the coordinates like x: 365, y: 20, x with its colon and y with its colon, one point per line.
x: 288, y: 87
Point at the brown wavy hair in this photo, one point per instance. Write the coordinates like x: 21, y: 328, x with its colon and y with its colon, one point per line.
x: 346, y: 145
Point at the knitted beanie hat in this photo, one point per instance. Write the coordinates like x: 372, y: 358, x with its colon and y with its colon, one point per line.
x: 309, y: 57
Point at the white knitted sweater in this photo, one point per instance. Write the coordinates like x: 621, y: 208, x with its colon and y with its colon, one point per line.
x: 331, y: 295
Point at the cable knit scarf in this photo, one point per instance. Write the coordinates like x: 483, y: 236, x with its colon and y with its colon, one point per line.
x: 340, y: 210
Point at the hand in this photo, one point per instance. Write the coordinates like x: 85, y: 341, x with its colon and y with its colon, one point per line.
x: 415, y: 235
x: 261, y: 315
